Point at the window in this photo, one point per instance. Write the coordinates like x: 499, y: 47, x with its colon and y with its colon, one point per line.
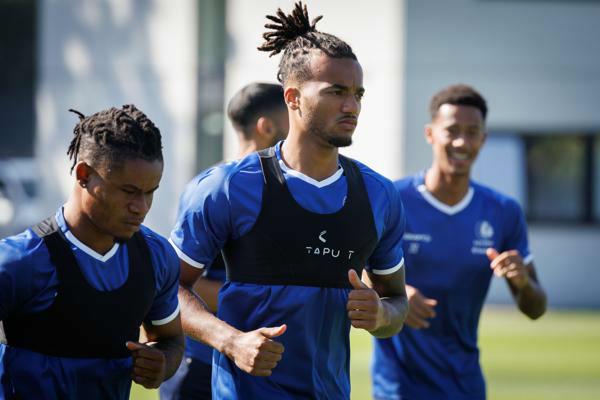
x: 555, y: 176
x: 17, y: 77
x: 558, y: 177
x: 596, y: 179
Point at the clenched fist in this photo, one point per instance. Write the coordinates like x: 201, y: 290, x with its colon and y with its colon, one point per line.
x: 364, y: 306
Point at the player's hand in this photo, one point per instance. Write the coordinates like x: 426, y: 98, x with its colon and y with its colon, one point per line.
x: 256, y: 352
x: 510, y: 265
x: 420, y: 308
x: 149, y: 365
x: 365, y: 309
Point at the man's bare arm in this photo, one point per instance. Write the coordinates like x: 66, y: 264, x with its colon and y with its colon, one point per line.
x: 522, y: 281
x: 157, y: 359
x: 208, y: 290
x: 254, y: 352
x: 380, y: 305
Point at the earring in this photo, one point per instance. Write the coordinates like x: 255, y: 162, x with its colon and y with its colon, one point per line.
x: 82, y: 184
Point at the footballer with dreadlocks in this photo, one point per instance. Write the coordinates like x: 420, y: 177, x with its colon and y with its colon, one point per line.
x: 75, y: 288
x: 297, y: 224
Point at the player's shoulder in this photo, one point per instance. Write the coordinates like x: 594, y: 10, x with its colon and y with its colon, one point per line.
x: 215, y: 175
x: 236, y: 169
x: 250, y: 164
x: 494, y: 197
x: 24, y: 248
x: 159, y: 246
x: 215, y: 181
x: 374, y: 178
x: 406, y: 184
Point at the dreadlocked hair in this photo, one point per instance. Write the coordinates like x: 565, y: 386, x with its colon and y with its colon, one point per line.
x: 296, y: 36
x: 114, y: 135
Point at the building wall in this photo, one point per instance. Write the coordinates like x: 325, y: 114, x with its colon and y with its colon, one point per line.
x: 95, y: 54
x: 537, y: 64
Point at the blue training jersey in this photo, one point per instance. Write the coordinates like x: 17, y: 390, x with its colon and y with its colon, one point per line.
x: 28, y: 284
x: 225, y: 206
x: 187, y: 201
x: 445, y: 254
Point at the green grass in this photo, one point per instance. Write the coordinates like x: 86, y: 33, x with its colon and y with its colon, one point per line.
x: 556, y: 357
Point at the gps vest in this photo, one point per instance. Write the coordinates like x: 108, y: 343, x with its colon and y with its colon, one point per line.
x: 289, y: 245
x: 84, y: 322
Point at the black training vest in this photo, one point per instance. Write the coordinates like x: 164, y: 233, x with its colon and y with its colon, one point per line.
x: 84, y: 322
x: 289, y: 245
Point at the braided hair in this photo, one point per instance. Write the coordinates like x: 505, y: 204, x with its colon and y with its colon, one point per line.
x: 297, y: 36
x: 114, y: 135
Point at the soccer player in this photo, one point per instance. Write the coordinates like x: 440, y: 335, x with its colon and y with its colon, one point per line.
x: 458, y: 233
x: 297, y: 224
x: 75, y: 288
x: 260, y: 118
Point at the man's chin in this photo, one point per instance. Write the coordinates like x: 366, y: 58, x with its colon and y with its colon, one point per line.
x: 337, y: 141
x: 123, y: 238
x: 460, y: 172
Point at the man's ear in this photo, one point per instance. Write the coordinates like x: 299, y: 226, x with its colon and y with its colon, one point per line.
x: 265, y: 128
x: 428, y: 132
x: 291, y: 95
x: 82, y: 173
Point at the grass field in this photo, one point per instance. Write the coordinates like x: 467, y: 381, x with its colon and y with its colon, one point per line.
x: 556, y: 357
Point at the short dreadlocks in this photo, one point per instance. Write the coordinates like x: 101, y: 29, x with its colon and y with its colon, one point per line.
x: 114, y: 135
x: 296, y: 36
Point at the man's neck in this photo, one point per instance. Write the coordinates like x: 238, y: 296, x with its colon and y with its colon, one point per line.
x: 246, y: 147
x: 84, y: 230
x: 309, y: 157
x: 450, y: 189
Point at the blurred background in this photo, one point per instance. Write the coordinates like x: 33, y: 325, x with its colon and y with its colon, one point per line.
x: 537, y: 62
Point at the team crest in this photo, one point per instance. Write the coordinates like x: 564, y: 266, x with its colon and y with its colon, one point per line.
x: 413, y: 248
x: 484, y: 233
x: 484, y: 230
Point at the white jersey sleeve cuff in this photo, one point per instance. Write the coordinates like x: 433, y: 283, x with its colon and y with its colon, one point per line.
x: 167, y: 319
x: 389, y: 270
x: 185, y: 257
x: 528, y: 259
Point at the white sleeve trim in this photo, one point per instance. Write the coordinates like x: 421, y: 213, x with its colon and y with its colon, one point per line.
x: 167, y: 319
x: 185, y: 257
x: 528, y: 259
x: 389, y: 270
